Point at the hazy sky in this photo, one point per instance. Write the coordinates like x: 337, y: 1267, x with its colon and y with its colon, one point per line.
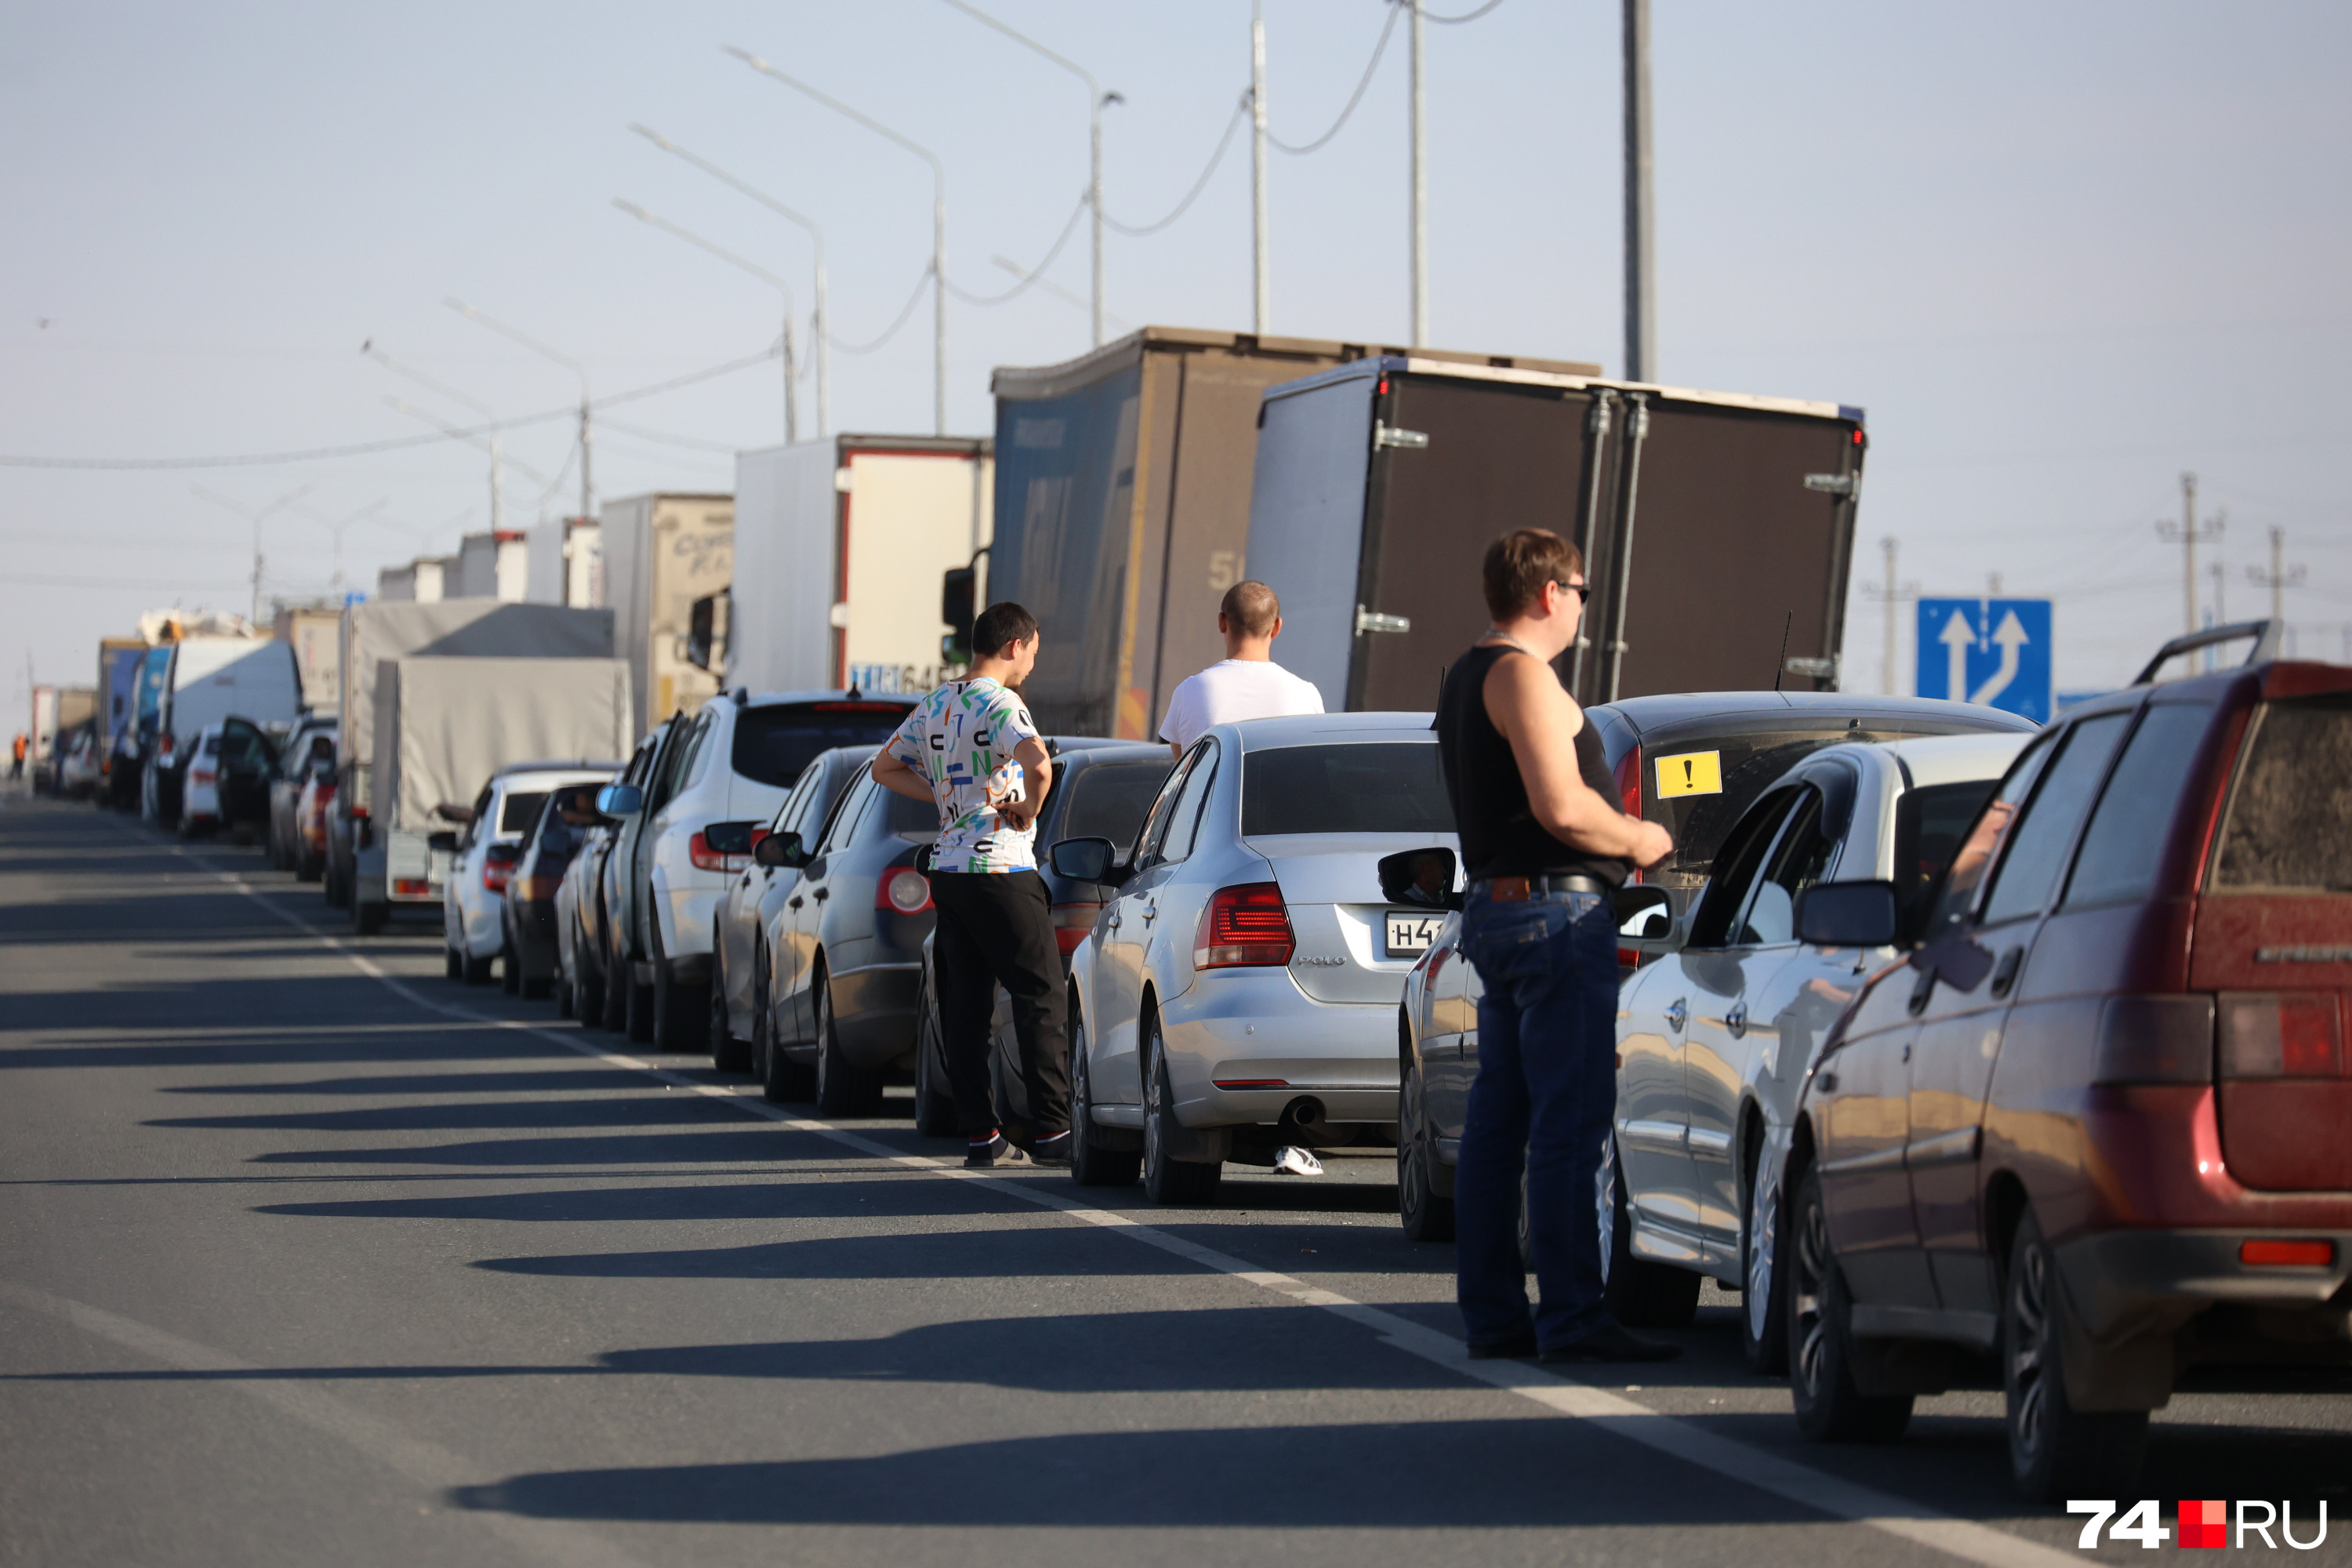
x: 2061, y: 253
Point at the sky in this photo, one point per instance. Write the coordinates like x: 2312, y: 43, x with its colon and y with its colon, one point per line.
x: 2062, y: 254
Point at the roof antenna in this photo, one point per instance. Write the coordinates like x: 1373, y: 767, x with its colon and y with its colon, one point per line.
x: 1784, y: 649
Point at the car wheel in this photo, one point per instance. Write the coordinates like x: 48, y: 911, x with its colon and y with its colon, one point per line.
x: 566, y: 996
x: 307, y: 867
x: 367, y: 919
x: 1426, y: 1216
x: 935, y: 1109
x: 1830, y: 1408
x: 669, y: 1030
x: 727, y: 1054
x: 452, y: 966
x: 615, y: 969
x: 1639, y: 1293
x: 587, y: 988
x: 1091, y: 1165
x: 1166, y: 1179
x: 1763, y: 1332
x: 842, y: 1089
x: 510, y: 968
x: 2055, y: 1451
x: 475, y: 970
x: 782, y: 1079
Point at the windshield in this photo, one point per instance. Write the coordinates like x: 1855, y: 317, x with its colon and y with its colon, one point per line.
x: 772, y: 744
x: 1368, y: 788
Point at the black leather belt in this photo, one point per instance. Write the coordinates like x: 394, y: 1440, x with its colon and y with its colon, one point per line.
x: 1513, y: 889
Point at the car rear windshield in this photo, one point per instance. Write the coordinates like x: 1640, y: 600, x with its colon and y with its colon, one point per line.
x: 521, y: 810
x: 1109, y: 800
x: 2291, y: 815
x: 1381, y: 786
x: 773, y: 743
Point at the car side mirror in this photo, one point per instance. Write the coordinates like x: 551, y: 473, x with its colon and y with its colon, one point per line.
x: 727, y: 837
x: 1643, y: 913
x: 1849, y: 914
x: 446, y: 842
x: 621, y: 800
x: 1086, y: 860
x: 778, y: 850
x: 1424, y: 877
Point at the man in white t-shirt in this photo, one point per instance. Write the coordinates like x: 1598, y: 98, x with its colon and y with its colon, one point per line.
x: 1246, y: 683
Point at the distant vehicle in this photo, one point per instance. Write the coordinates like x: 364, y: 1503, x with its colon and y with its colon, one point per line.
x: 1737, y: 746
x: 1238, y: 992
x: 135, y: 745
x: 207, y: 679
x: 229, y: 765
x: 733, y: 761
x: 312, y: 810
x: 482, y: 857
x: 310, y: 744
x: 78, y: 764
x: 2096, y: 1120
x: 119, y: 660
x: 1101, y: 790
x: 609, y: 909
x: 528, y: 962
x: 662, y: 553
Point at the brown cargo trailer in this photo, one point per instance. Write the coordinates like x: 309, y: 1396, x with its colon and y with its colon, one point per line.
x: 1123, y: 507
x: 1717, y: 528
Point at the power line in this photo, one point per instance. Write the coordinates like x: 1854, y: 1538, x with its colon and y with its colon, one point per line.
x: 1028, y: 280
x: 912, y: 301
x: 1223, y: 141
x: 1466, y: 16
x: 1353, y: 98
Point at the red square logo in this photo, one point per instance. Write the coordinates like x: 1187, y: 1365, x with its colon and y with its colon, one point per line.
x: 2205, y: 1525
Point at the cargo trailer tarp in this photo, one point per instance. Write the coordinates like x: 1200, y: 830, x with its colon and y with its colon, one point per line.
x: 447, y: 724
x: 458, y: 628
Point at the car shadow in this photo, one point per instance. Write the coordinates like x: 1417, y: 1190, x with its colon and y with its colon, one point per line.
x: 910, y: 1196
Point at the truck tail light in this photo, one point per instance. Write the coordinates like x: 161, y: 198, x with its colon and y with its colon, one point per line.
x: 706, y: 859
x: 2295, y: 1033
x: 2287, y: 1254
x: 904, y: 890
x: 201, y: 776
x: 1245, y: 925
x: 1071, y: 923
x: 411, y: 887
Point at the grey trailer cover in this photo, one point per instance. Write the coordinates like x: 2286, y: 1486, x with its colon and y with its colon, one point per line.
x: 447, y: 724
x: 462, y: 629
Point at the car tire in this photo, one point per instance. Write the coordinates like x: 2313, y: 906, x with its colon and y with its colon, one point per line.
x: 935, y: 1108
x: 367, y: 919
x: 309, y: 867
x: 452, y: 967
x: 842, y: 1089
x: 587, y: 990
x: 566, y: 997
x: 1639, y: 1293
x: 727, y: 1054
x: 1426, y: 1215
x: 475, y: 970
x: 616, y: 970
x: 1763, y: 1309
x: 1166, y: 1179
x: 675, y: 1010
x: 1091, y: 1165
x: 782, y: 1080
x: 1830, y: 1408
x: 2055, y: 1451
x: 510, y: 968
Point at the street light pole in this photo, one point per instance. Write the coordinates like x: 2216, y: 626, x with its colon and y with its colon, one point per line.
x: 255, y: 518
x: 1096, y: 100
x: 819, y: 320
x: 2188, y: 533
x: 1641, y: 229
x: 498, y: 452
x: 1419, y: 188
x: 938, y: 225
x: 587, y: 488
x: 791, y: 394
x: 1260, y: 272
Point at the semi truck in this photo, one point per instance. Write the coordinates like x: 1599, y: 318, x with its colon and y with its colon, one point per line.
x: 662, y: 553
x: 491, y: 566
x: 831, y: 538
x: 1717, y: 528
x: 1123, y: 485
x: 378, y: 860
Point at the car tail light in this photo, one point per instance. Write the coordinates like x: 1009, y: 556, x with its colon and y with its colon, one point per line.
x: 495, y: 876
x: 201, y: 776
x: 2295, y: 1034
x: 1243, y: 925
x: 699, y: 850
x: 1629, y: 781
x: 2155, y: 1039
x: 905, y: 890
x: 411, y: 887
x: 2287, y: 1254
x: 1071, y: 923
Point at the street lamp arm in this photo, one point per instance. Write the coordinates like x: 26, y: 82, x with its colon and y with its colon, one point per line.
x: 418, y: 376
x: 523, y: 338
x: 1094, y: 88
x: 753, y: 268
x: 938, y: 170
x: 723, y: 177
x: 429, y: 417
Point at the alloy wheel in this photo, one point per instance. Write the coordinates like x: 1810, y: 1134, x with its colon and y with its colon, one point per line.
x: 2027, y: 1347
x: 1809, y: 1321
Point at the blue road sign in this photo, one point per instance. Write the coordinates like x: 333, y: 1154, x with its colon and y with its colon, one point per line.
x: 1994, y: 651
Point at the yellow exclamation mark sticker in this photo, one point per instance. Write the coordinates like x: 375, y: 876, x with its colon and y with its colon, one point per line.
x: 1690, y: 772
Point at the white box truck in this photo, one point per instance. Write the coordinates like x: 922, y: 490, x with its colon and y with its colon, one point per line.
x: 566, y: 563
x: 491, y: 566
x: 206, y: 681
x: 662, y: 553
x: 839, y: 548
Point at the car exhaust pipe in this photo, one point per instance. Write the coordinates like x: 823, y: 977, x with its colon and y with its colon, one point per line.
x: 1304, y: 1116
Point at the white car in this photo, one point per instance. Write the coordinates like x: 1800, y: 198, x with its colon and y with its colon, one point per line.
x: 1238, y: 992
x: 734, y: 761
x: 473, y: 897
x: 227, y: 778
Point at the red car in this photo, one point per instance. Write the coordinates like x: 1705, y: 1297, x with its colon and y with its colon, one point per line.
x: 2099, y: 1121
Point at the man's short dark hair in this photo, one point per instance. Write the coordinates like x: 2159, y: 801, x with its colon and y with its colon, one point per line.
x: 1250, y: 608
x: 1002, y: 623
x: 1519, y: 566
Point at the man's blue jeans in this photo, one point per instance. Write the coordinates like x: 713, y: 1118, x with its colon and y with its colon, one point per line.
x: 1545, y: 1094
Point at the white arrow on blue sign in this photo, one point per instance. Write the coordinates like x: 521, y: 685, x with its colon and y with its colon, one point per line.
x: 1993, y: 651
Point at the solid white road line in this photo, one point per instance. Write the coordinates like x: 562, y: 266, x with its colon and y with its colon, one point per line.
x: 1742, y: 1462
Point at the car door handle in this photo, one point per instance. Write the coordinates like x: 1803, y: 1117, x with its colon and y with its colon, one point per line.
x: 1907, y: 1050
x: 2004, y: 974
x: 821, y: 894
x: 795, y: 901
x: 1737, y: 1019
x: 1112, y: 922
x: 1678, y: 1014
x: 1150, y: 912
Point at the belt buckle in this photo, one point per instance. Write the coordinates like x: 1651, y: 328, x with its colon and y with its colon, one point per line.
x: 1507, y: 890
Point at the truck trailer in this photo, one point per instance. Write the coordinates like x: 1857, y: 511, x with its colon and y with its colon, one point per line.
x: 1717, y: 528
x: 316, y: 634
x: 662, y: 553
x: 833, y: 540
x: 1123, y: 509
x: 565, y: 564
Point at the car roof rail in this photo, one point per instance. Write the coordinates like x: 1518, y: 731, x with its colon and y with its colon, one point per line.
x: 2266, y: 634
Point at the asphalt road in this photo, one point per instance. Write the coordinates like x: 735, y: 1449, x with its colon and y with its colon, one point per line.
x: 308, y: 1255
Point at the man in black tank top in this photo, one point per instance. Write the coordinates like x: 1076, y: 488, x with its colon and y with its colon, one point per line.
x: 1545, y: 846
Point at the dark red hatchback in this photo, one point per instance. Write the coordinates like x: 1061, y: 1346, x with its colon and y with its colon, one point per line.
x: 2099, y: 1121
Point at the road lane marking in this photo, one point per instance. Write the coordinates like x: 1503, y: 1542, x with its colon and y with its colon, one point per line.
x: 1742, y: 1462
x: 427, y: 1464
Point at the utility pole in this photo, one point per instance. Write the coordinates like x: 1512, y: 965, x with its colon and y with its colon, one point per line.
x: 1261, y: 274
x: 2279, y: 578
x: 2188, y: 533
x: 1420, y: 188
x: 1889, y: 594
x: 1641, y: 299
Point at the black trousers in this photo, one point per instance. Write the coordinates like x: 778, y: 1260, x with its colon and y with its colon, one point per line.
x: 996, y: 928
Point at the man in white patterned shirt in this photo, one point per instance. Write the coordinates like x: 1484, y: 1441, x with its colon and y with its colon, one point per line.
x: 971, y: 749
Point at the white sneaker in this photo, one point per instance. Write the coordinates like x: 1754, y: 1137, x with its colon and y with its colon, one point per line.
x: 1295, y: 1162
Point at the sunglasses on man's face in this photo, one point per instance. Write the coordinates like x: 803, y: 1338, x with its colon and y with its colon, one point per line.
x: 1582, y: 592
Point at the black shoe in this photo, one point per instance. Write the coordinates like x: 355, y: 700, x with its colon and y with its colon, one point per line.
x: 1517, y: 1349
x: 997, y: 1152
x: 1054, y: 1151
x: 1611, y: 1341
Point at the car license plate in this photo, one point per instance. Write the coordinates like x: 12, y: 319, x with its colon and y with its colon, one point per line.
x: 1410, y: 932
